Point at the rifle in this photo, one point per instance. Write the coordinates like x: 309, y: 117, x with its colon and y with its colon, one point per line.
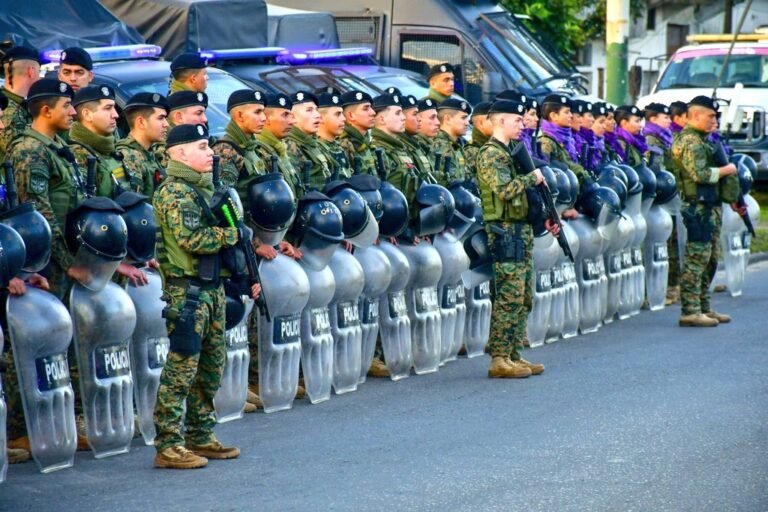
x: 273, y: 167
x: 358, y: 165
x: 721, y: 159
x: 341, y: 161
x: 90, y: 177
x: 306, y: 167
x: 447, y: 166
x: 583, y: 153
x: 381, y: 170
x: 10, y: 186
x: 216, y: 172
x: 438, y: 158
x: 523, y: 159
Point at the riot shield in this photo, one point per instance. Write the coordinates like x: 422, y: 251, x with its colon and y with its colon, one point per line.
x: 394, y: 323
x: 732, y: 246
x: 477, y: 327
x: 378, y: 273
x: 229, y: 400
x: 316, y: 338
x: 571, y: 302
x: 637, y: 276
x: 461, y: 317
x: 344, y: 314
x: 103, y: 325
x: 545, y: 254
x: 455, y: 262
x: 659, y: 223
x: 3, y: 420
x: 424, y: 305
x: 616, y: 265
x: 40, y: 331
x: 286, y: 288
x: 149, y: 349
x: 588, y: 277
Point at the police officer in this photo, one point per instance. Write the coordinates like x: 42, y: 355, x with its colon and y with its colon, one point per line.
x: 454, y: 122
x: 147, y: 116
x: 187, y: 107
x: 482, y: 130
x: 356, y: 139
x: 332, y: 123
x: 556, y: 137
x: 22, y: 69
x: 441, y: 82
x: 271, y: 140
x: 502, y: 188
x: 76, y: 68
x: 302, y: 145
x: 421, y: 158
x: 240, y: 163
x: 701, y: 212
x: 189, y: 73
x: 429, y: 125
x: 196, y: 305
x: 628, y: 130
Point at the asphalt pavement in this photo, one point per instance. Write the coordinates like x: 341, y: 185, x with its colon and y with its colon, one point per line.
x: 640, y: 416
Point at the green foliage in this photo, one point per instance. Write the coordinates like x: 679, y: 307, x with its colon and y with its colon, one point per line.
x: 575, y: 21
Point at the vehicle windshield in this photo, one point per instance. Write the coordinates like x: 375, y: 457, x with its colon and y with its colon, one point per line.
x: 220, y: 86
x: 290, y: 80
x: 407, y: 85
x: 700, y: 68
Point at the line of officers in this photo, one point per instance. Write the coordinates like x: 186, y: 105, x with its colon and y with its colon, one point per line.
x: 54, y: 132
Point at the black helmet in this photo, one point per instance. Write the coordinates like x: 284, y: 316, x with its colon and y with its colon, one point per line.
x: 596, y: 199
x: 549, y: 178
x: 272, y: 206
x: 611, y: 180
x: 464, y: 211
x: 368, y: 187
x: 139, y: 218
x: 360, y: 227
x: 318, y: 229
x: 436, y: 208
x: 12, y: 254
x: 647, y: 179
x: 395, y: 218
x: 478, y: 251
x: 747, y: 170
x: 97, y: 225
x: 235, y: 307
x: 36, y: 233
x: 666, y: 187
x: 633, y: 180
x: 564, y: 190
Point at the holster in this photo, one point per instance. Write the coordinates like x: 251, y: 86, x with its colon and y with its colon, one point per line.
x: 184, y: 339
x: 508, y: 245
x: 706, y: 194
x: 209, y: 268
x: 699, y: 225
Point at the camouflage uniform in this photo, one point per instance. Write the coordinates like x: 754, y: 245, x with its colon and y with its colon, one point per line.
x: 109, y: 169
x: 268, y: 145
x: 399, y: 167
x: 551, y: 150
x: 15, y: 118
x: 240, y: 163
x: 192, y: 376
x: 141, y: 166
x: 337, y: 157
x: 302, y: 147
x: 673, y: 250
x: 505, y: 205
x: 424, y: 165
x: 632, y: 156
x: 358, y: 144
x: 176, y: 86
x: 433, y: 94
x: 473, y: 148
x: 454, y: 149
x: 692, y: 160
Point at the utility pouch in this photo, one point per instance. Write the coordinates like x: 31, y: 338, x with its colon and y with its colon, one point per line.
x: 508, y: 246
x: 209, y: 268
x: 706, y: 194
x: 699, y: 225
x: 184, y: 339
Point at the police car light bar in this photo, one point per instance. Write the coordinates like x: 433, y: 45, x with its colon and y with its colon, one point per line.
x: 243, y: 53
x: 105, y: 53
x: 315, y: 55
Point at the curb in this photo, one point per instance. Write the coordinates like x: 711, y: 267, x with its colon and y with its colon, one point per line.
x: 757, y: 257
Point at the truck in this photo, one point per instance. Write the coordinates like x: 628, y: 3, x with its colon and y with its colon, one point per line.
x: 491, y: 49
x: 742, y: 88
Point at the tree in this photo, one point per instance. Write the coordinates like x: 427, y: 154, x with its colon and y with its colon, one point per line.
x: 575, y: 21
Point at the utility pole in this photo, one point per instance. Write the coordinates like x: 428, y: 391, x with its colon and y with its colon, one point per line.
x: 617, y: 50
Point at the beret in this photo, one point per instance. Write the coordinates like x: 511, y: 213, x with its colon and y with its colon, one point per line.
x: 186, y: 133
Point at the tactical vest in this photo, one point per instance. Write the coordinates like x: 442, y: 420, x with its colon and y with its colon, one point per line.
x: 337, y: 158
x: 361, y: 147
x: 402, y: 170
x: 110, y: 173
x: 494, y: 208
x: 417, y: 155
x: 254, y: 166
x: 284, y: 165
x: 693, y: 192
x: 310, y: 150
x: 152, y: 171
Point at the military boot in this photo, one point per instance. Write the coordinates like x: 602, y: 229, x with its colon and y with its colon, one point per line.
x: 82, y: 440
x: 673, y: 295
x: 719, y: 288
x: 214, y: 450
x: 178, y: 457
x: 378, y: 369
x: 697, y: 320
x: 504, y: 368
x: 20, y: 443
x: 721, y: 318
x: 300, y: 392
x: 536, y: 368
x: 249, y: 408
x: 17, y: 455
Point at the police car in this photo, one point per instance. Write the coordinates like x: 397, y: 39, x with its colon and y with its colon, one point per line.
x: 131, y: 69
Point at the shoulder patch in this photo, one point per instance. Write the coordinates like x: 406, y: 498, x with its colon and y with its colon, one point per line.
x: 190, y: 215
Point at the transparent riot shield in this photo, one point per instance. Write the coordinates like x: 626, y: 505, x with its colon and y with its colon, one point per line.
x: 659, y: 223
x: 394, y: 323
x: 616, y: 264
x: 40, y: 331
x: 454, y: 262
x: 286, y: 288
x: 461, y: 318
x: 545, y: 253
x: 557, y: 307
x: 3, y: 419
x: 478, y: 325
x: 378, y: 274
x: 149, y: 349
x: 588, y: 275
x: 316, y: 338
x: 345, y: 321
x: 103, y: 326
x: 637, y: 295
x: 424, y: 305
x: 732, y: 246
x: 571, y: 302
x: 229, y: 400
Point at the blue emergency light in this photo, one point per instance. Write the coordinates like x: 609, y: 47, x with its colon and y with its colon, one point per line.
x: 320, y: 55
x: 243, y: 53
x: 106, y: 53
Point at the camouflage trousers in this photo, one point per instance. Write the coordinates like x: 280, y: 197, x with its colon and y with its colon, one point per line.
x: 192, y: 379
x: 512, y: 297
x: 673, y: 252
x: 699, y: 267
